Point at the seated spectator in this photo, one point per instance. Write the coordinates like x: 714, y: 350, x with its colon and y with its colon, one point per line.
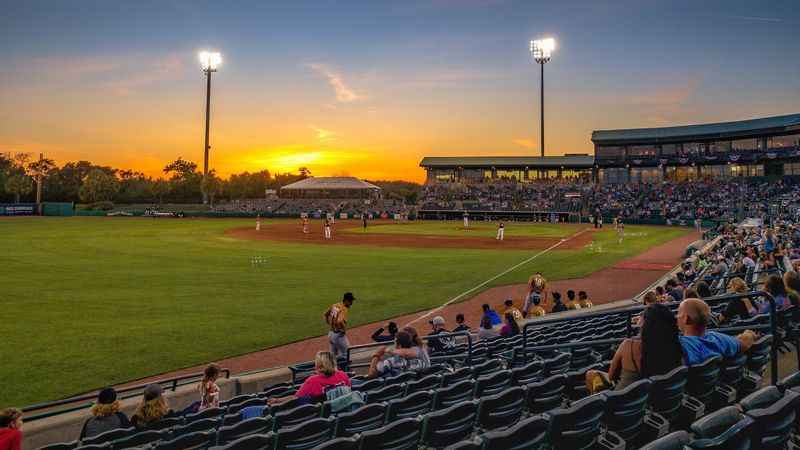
x: 209, y: 391
x: 378, y: 335
x: 105, y: 415
x: 583, y: 299
x: 690, y: 292
x: 405, y: 355
x: 571, y: 302
x: 440, y: 344
x: 326, y: 376
x: 699, y: 344
x: 558, y: 306
x: 792, y: 282
x: 738, y: 308
x: 703, y: 291
x: 662, y: 295
x: 152, y: 408
x: 536, y: 309
x: 511, y: 327
x: 775, y: 287
x: 673, y: 290
x: 511, y: 309
x: 486, y: 330
x: 656, y: 352
x: 488, y: 311
x: 650, y: 298
x: 461, y: 325
x: 10, y: 429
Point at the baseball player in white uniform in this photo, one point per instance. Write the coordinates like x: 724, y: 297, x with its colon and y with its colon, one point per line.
x: 501, y: 229
x: 466, y: 219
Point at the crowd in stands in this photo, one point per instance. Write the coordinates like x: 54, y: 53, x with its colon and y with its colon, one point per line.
x: 551, y: 195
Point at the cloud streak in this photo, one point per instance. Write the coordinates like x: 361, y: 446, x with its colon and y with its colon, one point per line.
x: 344, y: 93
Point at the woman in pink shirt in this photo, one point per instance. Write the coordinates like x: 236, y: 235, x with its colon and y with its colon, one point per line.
x: 313, y: 389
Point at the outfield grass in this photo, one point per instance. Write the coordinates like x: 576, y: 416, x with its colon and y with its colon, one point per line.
x: 476, y: 229
x: 94, y: 301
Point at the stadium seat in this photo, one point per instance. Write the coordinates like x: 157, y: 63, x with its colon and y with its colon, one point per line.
x: 790, y: 381
x: 529, y: 434
x: 103, y: 446
x: 424, y: 384
x: 557, y: 364
x: 487, y: 368
x: 761, y: 398
x: 404, y: 377
x: 545, y: 395
x: 209, y: 413
x: 457, y: 393
x: 256, y: 425
x: 581, y: 357
x: 677, y: 440
x: 667, y: 391
x: 296, y: 416
x: 449, y: 426
x: 501, y: 410
x: 190, y: 441
x: 465, y: 445
x: 235, y: 408
x: 108, y: 436
x: 251, y: 442
x: 702, y: 380
x: 386, y: 393
x: 403, y: 434
x: 341, y: 443
x: 165, y: 423
x: 759, y: 354
x: 493, y: 383
x: 732, y: 370
x: 577, y: 427
x: 278, y: 391
x: 527, y: 373
x: 232, y: 419
x: 369, y: 385
x: 773, y: 424
x: 457, y: 376
x: 413, y: 405
x: 575, y: 386
x: 139, y: 439
x: 197, y: 425
x: 726, y: 428
x: 226, y: 404
x: 60, y: 446
x: 306, y: 435
x: 626, y: 409
x: 368, y: 417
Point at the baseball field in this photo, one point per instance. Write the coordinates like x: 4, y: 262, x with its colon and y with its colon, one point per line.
x: 94, y: 301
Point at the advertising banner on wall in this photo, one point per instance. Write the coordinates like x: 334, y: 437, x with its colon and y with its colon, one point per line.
x: 17, y: 209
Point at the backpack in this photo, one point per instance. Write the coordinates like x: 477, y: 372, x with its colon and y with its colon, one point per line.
x: 343, y: 399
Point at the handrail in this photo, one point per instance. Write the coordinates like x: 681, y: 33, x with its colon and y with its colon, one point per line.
x: 171, y: 384
x: 424, y: 338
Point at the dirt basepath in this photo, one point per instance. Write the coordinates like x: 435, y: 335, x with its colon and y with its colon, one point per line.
x: 289, y: 232
x: 624, y: 280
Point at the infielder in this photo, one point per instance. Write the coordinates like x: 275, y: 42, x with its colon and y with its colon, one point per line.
x: 620, y: 230
x: 466, y: 219
x: 501, y: 229
x: 305, y: 225
x: 336, y: 318
x: 327, y: 228
x: 258, y: 222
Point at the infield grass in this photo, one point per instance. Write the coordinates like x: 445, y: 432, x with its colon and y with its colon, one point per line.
x: 89, y: 302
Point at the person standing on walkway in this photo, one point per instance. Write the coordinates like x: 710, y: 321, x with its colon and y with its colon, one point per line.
x: 336, y: 318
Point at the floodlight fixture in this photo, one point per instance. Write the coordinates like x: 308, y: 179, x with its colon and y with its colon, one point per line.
x: 209, y: 61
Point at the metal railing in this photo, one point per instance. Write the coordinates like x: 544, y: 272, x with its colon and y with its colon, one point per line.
x: 362, y: 348
x: 80, y: 402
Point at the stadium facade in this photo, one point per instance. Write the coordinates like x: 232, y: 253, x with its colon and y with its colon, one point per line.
x: 331, y: 187
x: 767, y: 146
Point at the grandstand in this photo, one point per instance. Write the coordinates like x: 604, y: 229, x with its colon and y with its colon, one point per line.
x: 331, y: 187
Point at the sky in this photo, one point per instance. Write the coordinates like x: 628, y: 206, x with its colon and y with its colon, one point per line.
x: 367, y: 88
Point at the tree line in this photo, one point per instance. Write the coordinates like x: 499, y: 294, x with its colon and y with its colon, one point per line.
x: 85, y: 182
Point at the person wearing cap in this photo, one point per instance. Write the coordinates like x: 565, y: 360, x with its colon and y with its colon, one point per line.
x: 106, y: 415
x: 10, y: 429
x: 336, y: 318
x: 152, y: 408
x: 439, y: 344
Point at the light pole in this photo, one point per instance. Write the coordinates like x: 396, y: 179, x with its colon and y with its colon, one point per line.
x: 542, y: 50
x: 209, y: 61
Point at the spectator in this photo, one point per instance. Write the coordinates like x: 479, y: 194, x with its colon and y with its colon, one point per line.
x: 536, y: 309
x: 738, y: 308
x: 650, y: 298
x: 775, y: 287
x: 326, y: 376
x: 511, y: 327
x: 405, y: 355
x: 571, y: 303
x: 10, y: 429
x: 583, y: 299
x: 486, y: 330
x: 488, y: 311
x: 209, y: 391
x: 656, y: 352
x: 152, y: 408
x: 336, y: 318
x: 105, y: 415
x: 662, y: 295
x: 378, y: 335
x: 673, y: 290
x: 690, y: 292
x: 461, y: 325
x: 792, y: 282
x: 703, y: 291
x: 558, y: 306
x: 511, y: 309
x: 699, y: 344
x: 440, y: 344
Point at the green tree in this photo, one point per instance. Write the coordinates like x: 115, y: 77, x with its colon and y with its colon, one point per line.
x: 185, y: 182
x: 211, y: 186
x: 98, y: 186
x: 18, y: 185
x: 159, y: 189
x: 305, y: 172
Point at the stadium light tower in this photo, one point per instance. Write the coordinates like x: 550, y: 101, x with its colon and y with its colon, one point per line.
x: 542, y: 50
x: 209, y: 61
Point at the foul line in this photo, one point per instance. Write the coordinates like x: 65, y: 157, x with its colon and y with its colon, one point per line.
x: 512, y: 268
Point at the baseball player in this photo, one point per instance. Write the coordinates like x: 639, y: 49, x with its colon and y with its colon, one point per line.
x: 537, y: 289
x: 336, y: 318
x: 258, y: 222
x: 327, y: 228
x: 501, y: 229
x: 466, y: 219
x: 620, y: 230
x: 364, y: 220
x: 305, y: 225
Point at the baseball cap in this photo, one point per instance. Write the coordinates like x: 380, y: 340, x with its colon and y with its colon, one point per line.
x: 438, y: 320
x: 348, y: 296
x: 107, y: 396
x: 152, y: 391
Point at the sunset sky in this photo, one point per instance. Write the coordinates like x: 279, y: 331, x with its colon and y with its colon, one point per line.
x: 369, y: 88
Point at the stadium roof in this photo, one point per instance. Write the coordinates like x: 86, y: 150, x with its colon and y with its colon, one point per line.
x: 331, y: 183
x: 508, y: 161
x: 742, y: 128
